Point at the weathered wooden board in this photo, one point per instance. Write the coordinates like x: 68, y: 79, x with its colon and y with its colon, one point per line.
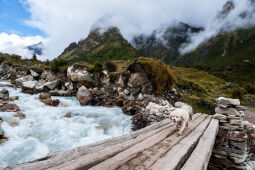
x: 178, y: 155
x: 199, y: 158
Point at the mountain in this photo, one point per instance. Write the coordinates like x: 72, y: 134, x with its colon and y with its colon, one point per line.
x: 163, y: 44
x: 37, y: 49
x: 228, y: 55
x: 100, y: 45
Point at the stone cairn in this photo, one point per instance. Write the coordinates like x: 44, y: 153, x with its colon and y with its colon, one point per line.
x: 230, y: 149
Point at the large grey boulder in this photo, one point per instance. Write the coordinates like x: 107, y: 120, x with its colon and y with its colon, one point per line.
x: 222, y: 101
x: 29, y: 87
x: 51, y: 85
x: 48, y: 76
x: 227, y: 111
x: 79, y: 74
x: 84, y: 95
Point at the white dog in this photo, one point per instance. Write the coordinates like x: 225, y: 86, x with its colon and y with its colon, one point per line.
x: 181, y: 115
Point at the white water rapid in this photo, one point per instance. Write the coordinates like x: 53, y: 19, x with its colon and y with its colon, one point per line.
x: 46, y: 130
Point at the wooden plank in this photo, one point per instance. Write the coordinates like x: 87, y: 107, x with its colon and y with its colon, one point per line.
x: 177, y: 156
x: 148, y: 157
x: 200, y: 156
x: 62, y: 157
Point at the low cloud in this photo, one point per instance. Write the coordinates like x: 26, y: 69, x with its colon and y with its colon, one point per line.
x: 66, y: 21
x: 242, y: 16
x: 15, y: 44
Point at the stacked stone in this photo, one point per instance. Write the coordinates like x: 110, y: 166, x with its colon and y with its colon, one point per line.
x: 231, y: 142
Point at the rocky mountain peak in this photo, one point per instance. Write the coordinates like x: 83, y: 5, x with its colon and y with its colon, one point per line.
x: 98, y: 35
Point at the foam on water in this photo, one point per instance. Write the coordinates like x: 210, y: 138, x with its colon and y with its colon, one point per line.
x: 46, y: 131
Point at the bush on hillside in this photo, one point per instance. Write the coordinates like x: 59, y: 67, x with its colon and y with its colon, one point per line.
x: 238, y: 93
x: 250, y: 88
x: 160, y: 74
x: 110, y: 66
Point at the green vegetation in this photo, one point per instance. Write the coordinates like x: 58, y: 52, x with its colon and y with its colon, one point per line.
x: 230, y: 56
x: 161, y: 75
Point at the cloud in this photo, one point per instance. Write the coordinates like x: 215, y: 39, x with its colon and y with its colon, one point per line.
x: 65, y: 21
x: 229, y: 23
x: 15, y: 44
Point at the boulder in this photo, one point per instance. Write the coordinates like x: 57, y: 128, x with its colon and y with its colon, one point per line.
x: 1, y: 132
x: 220, y: 116
x: 13, y: 122
x: 84, y: 96
x: 68, y: 115
x: 140, y: 97
x: 4, y: 94
x: 44, y: 95
x: 9, y: 108
x: 48, y: 76
x: 33, y: 73
x: 79, y: 74
x: 51, y: 102
x: 51, y: 85
x: 222, y: 101
x: 29, y: 87
x: 21, y: 80
x: 13, y: 98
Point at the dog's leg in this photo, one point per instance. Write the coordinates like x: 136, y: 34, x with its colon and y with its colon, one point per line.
x: 184, y: 124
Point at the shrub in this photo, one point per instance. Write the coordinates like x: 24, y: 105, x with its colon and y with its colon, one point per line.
x: 160, y: 74
x: 98, y: 67
x: 250, y: 88
x: 57, y: 63
x: 110, y: 66
x: 237, y: 93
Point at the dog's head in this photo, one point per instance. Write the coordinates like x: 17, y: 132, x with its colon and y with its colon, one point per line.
x: 175, y: 117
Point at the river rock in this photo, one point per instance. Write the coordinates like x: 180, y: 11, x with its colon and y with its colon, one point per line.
x: 44, y: 95
x: 51, y: 102
x: 48, y: 76
x: 13, y: 98
x: 79, y: 74
x: 1, y: 132
x: 4, y: 94
x: 29, y: 87
x: 9, y: 108
x: 33, y: 73
x: 21, y: 80
x: 222, y: 101
x: 227, y: 111
x: 20, y: 115
x: 52, y: 84
x: 84, y: 95
x: 13, y: 122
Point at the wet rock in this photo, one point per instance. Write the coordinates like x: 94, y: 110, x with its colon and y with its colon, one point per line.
x: 9, y: 108
x: 1, y: 132
x: 68, y: 115
x: 14, y: 98
x: 84, y: 95
x: 44, y: 95
x: 4, y: 94
x: 33, y: 73
x: 79, y: 74
x: 20, y: 115
x: 51, y: 102
x: 222, y: 101
x: 1, y: 120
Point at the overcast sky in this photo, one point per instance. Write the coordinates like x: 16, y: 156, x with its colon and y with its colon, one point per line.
x: 60, y: 22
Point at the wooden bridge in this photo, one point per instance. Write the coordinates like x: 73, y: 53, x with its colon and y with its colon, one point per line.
x: 156, y: 147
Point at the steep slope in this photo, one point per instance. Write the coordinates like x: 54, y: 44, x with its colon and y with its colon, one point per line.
x: 98, y: 47
x: 163, y: 44
x: 229, y: 55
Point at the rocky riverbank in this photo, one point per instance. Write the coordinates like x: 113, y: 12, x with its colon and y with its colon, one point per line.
x: 131, y: 87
